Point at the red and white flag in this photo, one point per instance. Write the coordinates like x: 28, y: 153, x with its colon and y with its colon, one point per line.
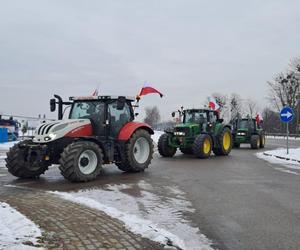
x: 212, y: 103
x: 95, y: 93
x: 149, y: 90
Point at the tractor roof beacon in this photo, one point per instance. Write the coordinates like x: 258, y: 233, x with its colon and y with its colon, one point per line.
x: 200, y: 132
x: 100, y: 130
x: 248, y: 131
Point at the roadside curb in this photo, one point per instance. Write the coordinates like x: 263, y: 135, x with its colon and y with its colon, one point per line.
x: 282, y: 158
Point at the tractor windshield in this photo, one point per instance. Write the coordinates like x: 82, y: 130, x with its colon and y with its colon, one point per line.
x: 195, y: 116
x: 87, y: 110
x: 245, y: 124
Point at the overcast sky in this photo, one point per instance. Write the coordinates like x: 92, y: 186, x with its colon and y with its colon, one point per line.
x: 187, y: 49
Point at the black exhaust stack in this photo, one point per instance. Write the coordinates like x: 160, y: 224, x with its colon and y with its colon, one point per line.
x: 60, y: 104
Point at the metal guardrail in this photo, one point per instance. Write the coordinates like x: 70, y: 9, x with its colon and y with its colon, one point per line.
x: 282, y: 135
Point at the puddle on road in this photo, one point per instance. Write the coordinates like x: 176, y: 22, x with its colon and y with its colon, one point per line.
x: 165, y: 206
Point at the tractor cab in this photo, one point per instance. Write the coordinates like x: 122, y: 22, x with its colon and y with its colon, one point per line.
x: 107, y: 114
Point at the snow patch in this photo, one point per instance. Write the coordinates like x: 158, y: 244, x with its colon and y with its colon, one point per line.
x: 156, y: 136
x: 7, y: 145
x: 159, y: 217
x: 280, y: 156
x: 15, y: 229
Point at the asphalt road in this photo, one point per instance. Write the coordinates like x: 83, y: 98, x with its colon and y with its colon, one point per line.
x: 241, y: 202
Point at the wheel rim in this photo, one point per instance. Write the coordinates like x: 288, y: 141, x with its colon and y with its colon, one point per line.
x: 87, y: 162
x: 263, y: 141
x: 206, y: 146
x: 258, y: 143
x: 141, y: 150
x: 226, y: 141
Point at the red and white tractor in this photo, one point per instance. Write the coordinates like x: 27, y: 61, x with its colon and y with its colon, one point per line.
x: 100, y: 130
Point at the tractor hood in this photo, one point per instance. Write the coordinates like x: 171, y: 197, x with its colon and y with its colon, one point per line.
x: 51, y: 131
x: 183, y: 129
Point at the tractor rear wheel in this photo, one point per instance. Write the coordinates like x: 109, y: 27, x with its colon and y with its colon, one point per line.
x: 202, y: 146
x: 255, y: 142
x: 81, y: 161
x: 164, y: 148
x: 262, y: 141
x: 187, y: 151
x: 225, y: 143
x: 138, y: 152
x: 21, y: 165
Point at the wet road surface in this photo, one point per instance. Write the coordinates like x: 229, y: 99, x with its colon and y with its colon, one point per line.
x: 240, y: 201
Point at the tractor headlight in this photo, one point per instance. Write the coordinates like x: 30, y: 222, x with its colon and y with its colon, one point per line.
x: 179, y: 133
x: 241, y: 133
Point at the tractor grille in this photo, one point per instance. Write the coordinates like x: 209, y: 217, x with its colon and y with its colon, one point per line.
x: 185, y: 130
x: 45, y: 128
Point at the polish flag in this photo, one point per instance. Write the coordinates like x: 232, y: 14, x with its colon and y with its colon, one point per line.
x: 95, y: 93
x: 213, y: 104
x: 149, y: 90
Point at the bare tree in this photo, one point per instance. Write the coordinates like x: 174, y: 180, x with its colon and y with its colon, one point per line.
x: 236, y: 106
x: 152, y: 116
x: 284, y: 88
x: 251, y: 108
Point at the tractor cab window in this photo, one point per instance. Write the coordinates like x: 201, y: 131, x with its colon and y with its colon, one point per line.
x: 118, y: 118
x: 245, y: 124
x: 93, y: 110
x: 212, y: 117
x: 195, y: 117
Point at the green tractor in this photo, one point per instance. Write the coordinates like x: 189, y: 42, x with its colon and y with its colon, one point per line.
x: 248, y: 131
x: 200, y: 132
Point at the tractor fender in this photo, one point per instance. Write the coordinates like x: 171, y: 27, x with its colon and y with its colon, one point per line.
x: 128, y: 129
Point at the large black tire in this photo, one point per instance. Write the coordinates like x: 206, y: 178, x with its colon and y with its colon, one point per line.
x: 18, y: 165
x: 262, y: 140
x: 163, y: 146
x: 187, y: 151
x: 255, y: 141
x: 135, y: 161
x: 224, y: 146
x: 202, y: 146
x: 81, y: 161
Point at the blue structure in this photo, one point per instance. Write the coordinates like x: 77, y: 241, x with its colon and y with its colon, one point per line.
x: 286, y: 114
x: 12, y: 127
x: 3, y: 135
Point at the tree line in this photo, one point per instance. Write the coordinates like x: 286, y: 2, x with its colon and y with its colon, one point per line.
x: 283, y: 90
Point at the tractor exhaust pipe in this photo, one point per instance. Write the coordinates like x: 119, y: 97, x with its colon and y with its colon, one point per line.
x: 60, y: 104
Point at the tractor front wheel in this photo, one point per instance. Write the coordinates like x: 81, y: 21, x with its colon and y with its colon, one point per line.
x: 262, y: 141
x: 81, y: 161
x: 23, y: 163
x: 202, y: 146
x: 164, y: 148
x: 225, y: 143
x: 237, y: 145
x: 138, y: 152
x: 255, y: 142
x: 187, y: 151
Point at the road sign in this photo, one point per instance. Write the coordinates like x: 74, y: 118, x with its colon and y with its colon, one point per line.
x: 286, y: 114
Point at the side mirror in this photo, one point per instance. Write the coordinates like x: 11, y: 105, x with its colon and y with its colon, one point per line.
x: 220, y: 120
x: 121, y: 103
x: 136, y: 114
x: 173, y: 114
x: 52, y: 105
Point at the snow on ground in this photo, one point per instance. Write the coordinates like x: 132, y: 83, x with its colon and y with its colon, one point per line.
x: 156, y: 136
x: 158, y: 213
x: 15, y: 229
x: 7, y: 145
x: 282, y: 137
x: 280, y: 156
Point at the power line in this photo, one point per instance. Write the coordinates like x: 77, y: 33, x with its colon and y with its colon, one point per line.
x: 27, y: 117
